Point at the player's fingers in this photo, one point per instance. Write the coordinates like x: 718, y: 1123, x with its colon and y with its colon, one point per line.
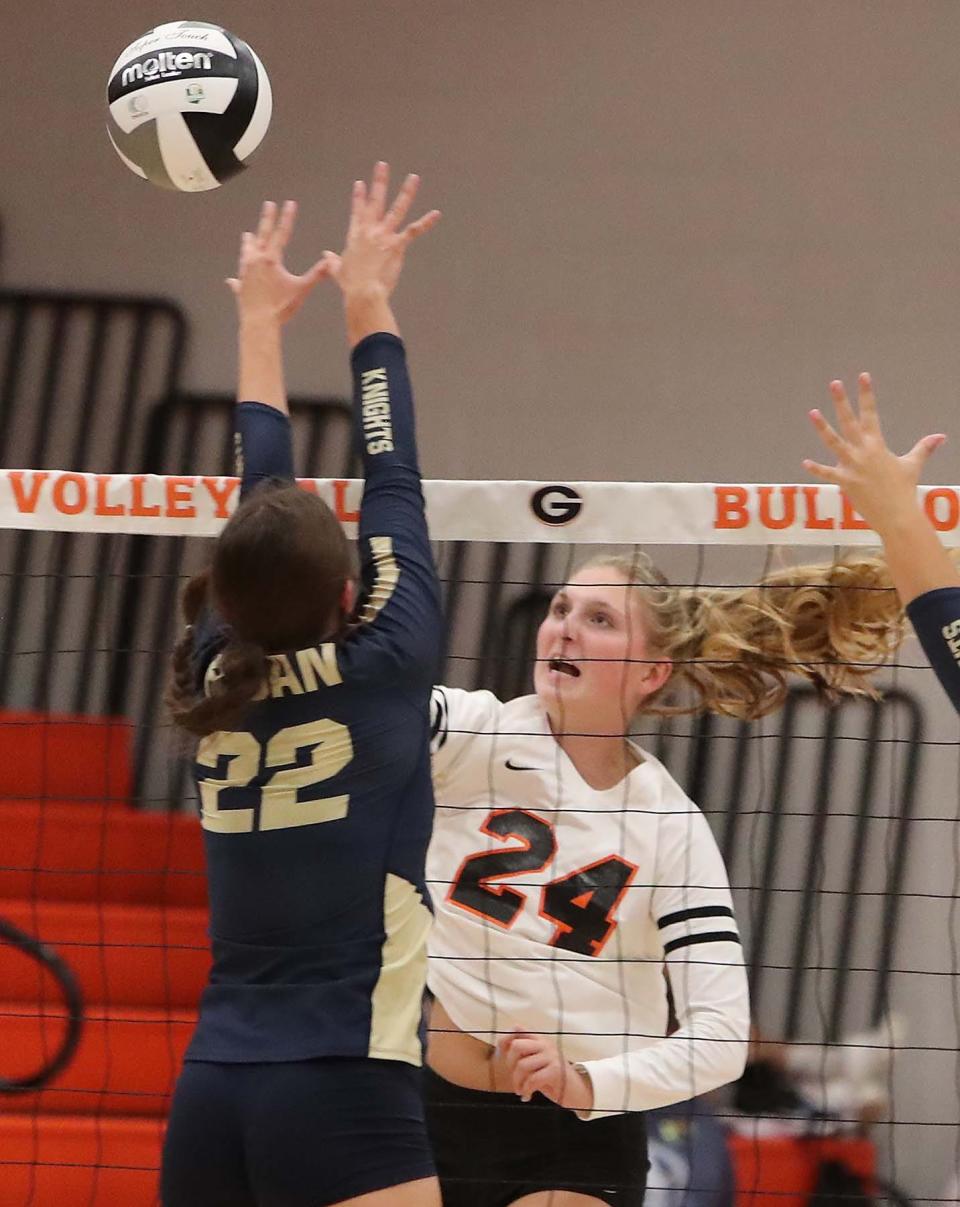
x: 402, y: 202
x: 284, y: 227
x: 534, y: 1062
x: 332, y: 261
x: 268, y: 217
x: 827, y: 472
x: 246, y: 251
x: 317, y: 272
x: 826, y: 432
x: 869, y: 416
x: 527, y: 1081
x: 846, y: 416
x: 233, y: 284
x: 378, y: 190
x: 422, y: 225
x: 358, y: 206
x: 546, y: 1082
x: 520, y: 1049
x: 925, y: 447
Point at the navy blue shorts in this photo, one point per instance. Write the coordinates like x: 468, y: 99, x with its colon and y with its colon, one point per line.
x: 299, y: 1134
x: 493, y: 1149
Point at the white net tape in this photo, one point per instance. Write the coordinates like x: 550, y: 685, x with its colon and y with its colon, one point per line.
x: 657, y: 513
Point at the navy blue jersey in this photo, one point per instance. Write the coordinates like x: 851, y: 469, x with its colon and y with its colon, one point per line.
x: 317, y: 813
x: 935, y: 616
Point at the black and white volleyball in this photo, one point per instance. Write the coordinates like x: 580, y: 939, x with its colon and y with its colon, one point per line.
x: 189, y: 103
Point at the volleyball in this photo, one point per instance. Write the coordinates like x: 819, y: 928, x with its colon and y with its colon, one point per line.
x: 188, y: 104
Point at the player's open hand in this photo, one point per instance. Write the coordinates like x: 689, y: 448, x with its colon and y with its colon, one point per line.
x: 377, y: 239
x: 264, y: 288
x: 534, y: 1065
x: 878, y: 483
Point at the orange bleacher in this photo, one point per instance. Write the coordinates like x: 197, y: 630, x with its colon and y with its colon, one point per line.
x: 121, y: 895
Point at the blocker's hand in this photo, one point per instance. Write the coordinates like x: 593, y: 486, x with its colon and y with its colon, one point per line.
x: 880, y: 485
x: 377, y: 240
x: 264, y: 288
x: 534, y: 1065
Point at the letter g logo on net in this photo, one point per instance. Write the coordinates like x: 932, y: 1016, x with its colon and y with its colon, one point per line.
x: 556, y: 504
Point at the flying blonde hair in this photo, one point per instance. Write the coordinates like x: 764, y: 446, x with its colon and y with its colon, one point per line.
x: 734, y: 649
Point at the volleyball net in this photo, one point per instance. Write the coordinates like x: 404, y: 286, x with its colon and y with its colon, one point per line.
x: 838, y: 826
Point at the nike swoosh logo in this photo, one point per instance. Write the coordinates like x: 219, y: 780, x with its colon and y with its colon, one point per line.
x: 512, y: 766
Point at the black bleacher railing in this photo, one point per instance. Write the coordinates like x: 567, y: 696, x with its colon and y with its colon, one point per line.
x: 78, y: 372
x: 51, y: 964
x: 829, y: 810
x: 78, y: 376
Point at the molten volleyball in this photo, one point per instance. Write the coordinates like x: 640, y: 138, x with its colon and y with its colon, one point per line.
x: 188, y: 103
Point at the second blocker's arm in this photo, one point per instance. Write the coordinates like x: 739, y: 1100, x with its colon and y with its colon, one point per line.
x: 883, y: 488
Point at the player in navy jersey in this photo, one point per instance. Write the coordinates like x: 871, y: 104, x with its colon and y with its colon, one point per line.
x: 302, y: 1083
x: 883, y: 488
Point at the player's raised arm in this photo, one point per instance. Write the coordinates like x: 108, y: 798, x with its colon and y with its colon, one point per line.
x: 268, y: 295
x: 883, y: 488
x: 401, y: 597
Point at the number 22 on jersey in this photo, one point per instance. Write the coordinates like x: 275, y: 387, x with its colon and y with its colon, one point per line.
x: 581, y: 905
x: 240, y: 759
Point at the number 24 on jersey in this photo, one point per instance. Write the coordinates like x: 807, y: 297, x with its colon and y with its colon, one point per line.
x: 581, y: 905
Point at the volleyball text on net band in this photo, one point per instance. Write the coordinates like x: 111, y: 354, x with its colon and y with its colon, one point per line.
x: 566, y: 513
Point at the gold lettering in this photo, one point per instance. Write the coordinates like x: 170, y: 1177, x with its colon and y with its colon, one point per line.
x: 283, y: 677
x: 319, y: 660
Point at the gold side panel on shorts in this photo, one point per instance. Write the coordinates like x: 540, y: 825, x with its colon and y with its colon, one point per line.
x: 398, y: 997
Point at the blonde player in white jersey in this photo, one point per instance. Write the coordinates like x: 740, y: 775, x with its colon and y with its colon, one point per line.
x: 568, y: 869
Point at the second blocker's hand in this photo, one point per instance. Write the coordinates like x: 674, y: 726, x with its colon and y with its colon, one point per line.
x: 883, y: 488
x: 881, y: 485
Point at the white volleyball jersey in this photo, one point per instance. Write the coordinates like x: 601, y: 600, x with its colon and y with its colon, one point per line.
x: 558, y: 906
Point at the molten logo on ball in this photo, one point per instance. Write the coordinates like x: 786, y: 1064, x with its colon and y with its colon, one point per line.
x: 166, y: 65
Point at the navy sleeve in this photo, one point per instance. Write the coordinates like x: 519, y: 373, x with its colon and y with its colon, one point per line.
x: 263, y: 447
x: 263, y: 452
x: 935, y: 617
x: 400, y: 612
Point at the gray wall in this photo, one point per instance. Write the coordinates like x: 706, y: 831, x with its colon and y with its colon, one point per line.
x: 667, y: 226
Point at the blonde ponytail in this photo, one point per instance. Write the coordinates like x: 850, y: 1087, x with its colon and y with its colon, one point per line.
x: 734, y: 649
